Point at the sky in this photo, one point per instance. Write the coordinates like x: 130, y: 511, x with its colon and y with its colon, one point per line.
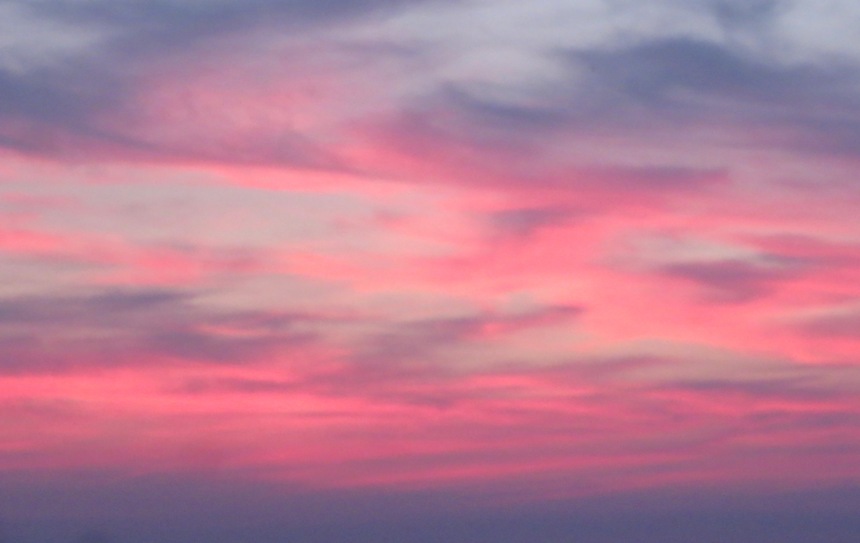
x: 323, y: 271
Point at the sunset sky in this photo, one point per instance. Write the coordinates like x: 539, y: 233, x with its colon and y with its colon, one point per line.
x: 431, y: 271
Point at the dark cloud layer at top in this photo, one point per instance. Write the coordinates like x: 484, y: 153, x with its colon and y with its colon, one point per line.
x: 79, y: 105
x: 734, y: 13
x: 39, y: 97
x: 83, y: 106
x: 151, y: 26
x: 668, y: 80
x: 684, y: 79
x: 630, y: 95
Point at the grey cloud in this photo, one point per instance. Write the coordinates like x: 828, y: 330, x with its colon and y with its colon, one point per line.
x: 799, y: 402
x: 83, y: 103
x: 251, y: 386
x: 117, y: 327
x: 812, y: 108
x: 59, y: 95
x: 653, y: 72
x: 89, y: 112
x: 666, y: 84
x: 191, y: 338
x: 846, y: 325
x: 101, y: 307
x: 735, y: 281
x: 521, y: 157
x: 658, y: 83
x: 410, y: 340
x: 654, y: 178
x: 399, y: 363
x: 52, y: 111
x: 524, y: 221
x: 395, y: 381
x: 745, y: 13
x: 650, y: 89
x: 196, y: 345
x: 145, y: 26
x: 802, y: 388
x: 482, y: 108
x: 835, y: 135
x: 111, y: 328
